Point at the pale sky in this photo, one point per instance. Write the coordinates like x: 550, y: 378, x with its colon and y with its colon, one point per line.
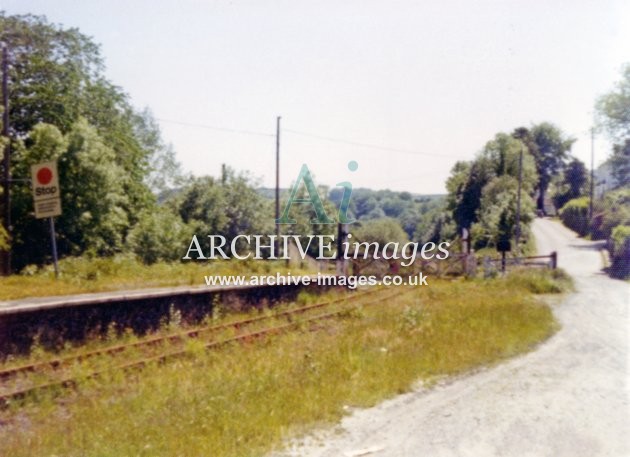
x: 436, y: 78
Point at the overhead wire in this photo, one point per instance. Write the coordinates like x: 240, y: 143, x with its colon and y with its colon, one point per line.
x: 369, y: 146
x: 309, y: 135
x: 212, y: 127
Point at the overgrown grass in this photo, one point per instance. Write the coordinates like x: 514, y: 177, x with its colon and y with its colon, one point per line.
x: 527, y: 248
x: 83, y: 275
x: 540, y: 281
x: 249, y: 399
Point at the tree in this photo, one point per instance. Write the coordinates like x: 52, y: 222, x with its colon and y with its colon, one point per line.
x: 614, y: 108
x: 550, y: 149
x: 613, y: 111
x: 502, y: 155
x: 164, y: 172
x: 576, y: 177
x: 499, y: 157
x: 159, y: 235
x: 465, y: 185
x: 573, y: 184
x: 497, y: 210
x: 304, y: 213
x: 620, y: 164
x: 435, y: 226
x: 51, y: 70
x: 93, y: 197
x: 382, y: 231
x: 229, y: 207
x: 63, y: 107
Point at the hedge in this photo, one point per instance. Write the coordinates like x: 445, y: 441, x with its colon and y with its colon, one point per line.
x: 619, y: 247
x: 575, y: 215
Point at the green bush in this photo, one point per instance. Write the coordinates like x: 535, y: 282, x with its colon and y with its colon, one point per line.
x: 619, y: 247
x: 612, y: 211
x: 159, y: 235
x: 540, y: 281
x: 575, y: 215
x: 4, y: 238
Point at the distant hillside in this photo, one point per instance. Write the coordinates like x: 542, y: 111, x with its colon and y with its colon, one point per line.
x: 416, y: 213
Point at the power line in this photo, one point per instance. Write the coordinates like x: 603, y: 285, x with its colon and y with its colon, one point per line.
x: 309, y: 135
x: 212, y: 127
x: 369, y: 146
x: 408, y: 178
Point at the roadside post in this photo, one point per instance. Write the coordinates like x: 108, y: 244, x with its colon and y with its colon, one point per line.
x: 503, y: 246
x: 342, y: 237
x: 503, y: 243
x: 47, y: 199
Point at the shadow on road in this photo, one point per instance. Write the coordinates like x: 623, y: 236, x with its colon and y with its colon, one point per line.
x: 592, y: 246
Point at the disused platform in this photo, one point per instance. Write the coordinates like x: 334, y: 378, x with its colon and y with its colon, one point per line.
x: 53, y: 321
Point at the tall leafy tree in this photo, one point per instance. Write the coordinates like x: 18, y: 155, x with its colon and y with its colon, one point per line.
x: 576, y: 177
x: 57, y: 76
x: 614, y: 116
x: 499, y: 157
x: 93, y: 197
x: 51, y: 70
x: 614, y: 108
x: 57, y: 81
x: 497, y: 210
x: 229, y: 207
x: 573, y: 184
x: 550, y: 148
x: 620, y: 164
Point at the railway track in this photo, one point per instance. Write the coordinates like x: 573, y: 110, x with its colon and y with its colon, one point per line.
x: 17, y: 385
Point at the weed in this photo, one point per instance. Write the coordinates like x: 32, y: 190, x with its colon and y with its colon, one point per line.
x: 248, y: 399
x: 539, y: 281
x: 83, y: 275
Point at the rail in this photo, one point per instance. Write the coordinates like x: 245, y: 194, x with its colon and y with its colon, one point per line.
x: 64, y: 380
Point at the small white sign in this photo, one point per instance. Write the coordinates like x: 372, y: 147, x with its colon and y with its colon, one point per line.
x: 46, y: 192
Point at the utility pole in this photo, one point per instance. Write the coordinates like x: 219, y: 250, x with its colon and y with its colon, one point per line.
x: 518, y: 201
x: 6, y: 178
x: 590, y: 206
x: 277, y: 185
x: 342, y: 263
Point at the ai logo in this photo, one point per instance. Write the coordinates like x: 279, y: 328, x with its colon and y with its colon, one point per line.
x: 315, y: 200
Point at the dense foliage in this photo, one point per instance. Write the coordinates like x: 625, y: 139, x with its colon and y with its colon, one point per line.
x: 619, y: 248
x: 612, y: 220
x: 109, y: 155
x: 571, y: 183
x: 484, y: 191
x: 113, y: 163
x: 575, y: 215
x: 418, y: 215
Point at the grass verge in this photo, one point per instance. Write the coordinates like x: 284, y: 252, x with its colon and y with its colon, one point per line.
x: 249, y: 399
x: 83, y: 275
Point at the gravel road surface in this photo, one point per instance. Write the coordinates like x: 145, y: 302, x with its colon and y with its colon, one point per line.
x: 569, y: 397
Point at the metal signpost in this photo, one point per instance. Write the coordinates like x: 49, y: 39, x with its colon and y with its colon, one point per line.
x: 47, y: 199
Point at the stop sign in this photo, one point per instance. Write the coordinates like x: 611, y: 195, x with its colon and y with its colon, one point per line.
x: 46, y: 192
x: 44, y: 176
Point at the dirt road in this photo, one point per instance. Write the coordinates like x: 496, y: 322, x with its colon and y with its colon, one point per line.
x: 570, y: 397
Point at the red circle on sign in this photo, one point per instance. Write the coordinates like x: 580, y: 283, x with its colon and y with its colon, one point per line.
x: 44, y: 175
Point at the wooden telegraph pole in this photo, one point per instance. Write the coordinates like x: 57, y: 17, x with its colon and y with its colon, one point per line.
x: 518, y: 201
x: 277, y: 185
x: 5, y: 256
x: 590, y: 205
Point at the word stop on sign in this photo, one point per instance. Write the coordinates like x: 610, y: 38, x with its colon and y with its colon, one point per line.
x: 46, y: 192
